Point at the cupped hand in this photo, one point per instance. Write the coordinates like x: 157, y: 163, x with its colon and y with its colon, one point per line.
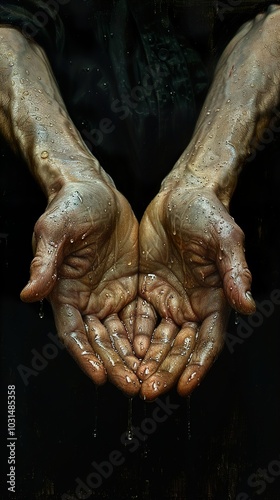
x: 86, y: 264
x: 192, y: 269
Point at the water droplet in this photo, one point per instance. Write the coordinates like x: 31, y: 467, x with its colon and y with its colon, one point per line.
x: 81, y: 200
x: 44, y: 155
x: 95, y: 413
x: 236, y: 319
x: 129, y: 431
x: 41, y: 310
x: 155, y: 386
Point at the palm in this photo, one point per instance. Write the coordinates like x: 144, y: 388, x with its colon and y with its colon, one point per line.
x: 87, y: 246
x: 191, y: 263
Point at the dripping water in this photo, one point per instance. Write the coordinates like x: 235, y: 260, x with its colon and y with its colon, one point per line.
x: 145, y: 444
x: 129, y: 430
x: 41, y: 309
x: 95, y: 423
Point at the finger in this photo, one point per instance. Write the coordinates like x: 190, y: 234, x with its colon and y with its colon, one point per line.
x: 173, y: 365
x: 43, y: 270
x: 145, y: 322
x: 209, y: 345
x: 119, y: 374
x: 235, y: 273
x: 119, y: 340
x: 160, y: 346
x: 128, y: 316
x: 71, y: 331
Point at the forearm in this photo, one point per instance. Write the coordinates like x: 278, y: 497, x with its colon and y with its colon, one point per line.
x: 33, y: 117
x: 244, y: 92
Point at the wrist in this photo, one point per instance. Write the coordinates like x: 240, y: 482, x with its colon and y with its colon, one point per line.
x: 215, y: 156
x: 238, y: 107
x: 34, y: 119
x: 53, y: 173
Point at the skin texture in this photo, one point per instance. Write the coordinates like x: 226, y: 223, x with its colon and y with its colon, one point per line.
x: 192, y: 262
x: 192, y: 267
x: 86, y: 263
x: 86, y: 242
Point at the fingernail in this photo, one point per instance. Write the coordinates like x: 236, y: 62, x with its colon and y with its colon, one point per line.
x: 249, y: 297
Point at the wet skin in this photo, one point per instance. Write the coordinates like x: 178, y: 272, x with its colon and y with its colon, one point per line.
x: 192, y: 267
x: 86, y: 263
x: 192, y: 263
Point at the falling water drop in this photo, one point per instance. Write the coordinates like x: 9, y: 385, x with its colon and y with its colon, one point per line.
x: 95, y: 428
x: 41, y: 310
x: 236, y: 320
x: 145, y: 443
x: 129, y: 431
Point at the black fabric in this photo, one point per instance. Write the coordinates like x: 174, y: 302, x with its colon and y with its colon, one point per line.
x: 128, y: 65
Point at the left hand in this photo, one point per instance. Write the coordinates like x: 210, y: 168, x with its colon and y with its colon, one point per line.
x: 86, y: 264
x: 192, y: 268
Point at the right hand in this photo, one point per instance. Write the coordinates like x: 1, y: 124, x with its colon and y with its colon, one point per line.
x: 86, y: 264
x: 192, y: 267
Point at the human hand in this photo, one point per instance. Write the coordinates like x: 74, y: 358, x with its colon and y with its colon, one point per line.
x: 86, y: 264
x: 192, y: 268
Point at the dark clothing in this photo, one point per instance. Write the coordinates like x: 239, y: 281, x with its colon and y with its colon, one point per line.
x: 133, y: 76
x: 132, y: 83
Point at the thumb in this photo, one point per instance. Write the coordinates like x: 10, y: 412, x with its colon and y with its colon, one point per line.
x: 235, y: 274
x: 43, y: 270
